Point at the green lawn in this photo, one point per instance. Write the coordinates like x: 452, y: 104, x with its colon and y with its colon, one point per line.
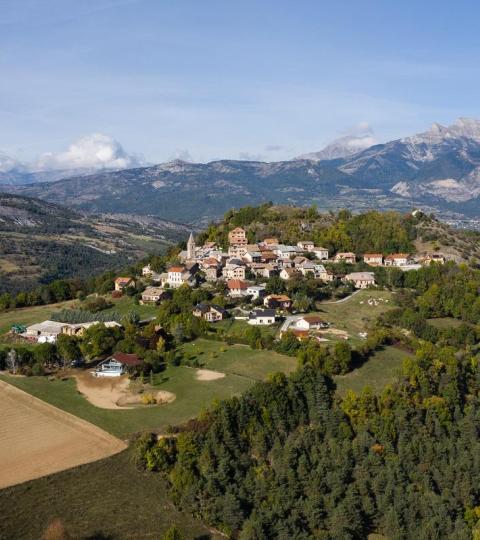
x: 238, y: 359
x: 236, y: 328
x: 125, y: 305
x: 379, y: 371
x: 108, y: 499
x: 355, y: 314
x: 192, y: 396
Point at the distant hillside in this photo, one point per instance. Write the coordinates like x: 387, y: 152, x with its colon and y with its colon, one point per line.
x: 41, y: 241
x: 438, y: 171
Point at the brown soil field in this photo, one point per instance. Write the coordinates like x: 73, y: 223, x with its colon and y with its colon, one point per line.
x: 37, y: 439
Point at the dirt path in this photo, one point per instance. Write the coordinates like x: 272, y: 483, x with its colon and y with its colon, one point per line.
x: 37, y: 439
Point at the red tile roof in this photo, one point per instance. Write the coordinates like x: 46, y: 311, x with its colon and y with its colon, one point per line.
x: 236, y: 284
x: 127, y: 359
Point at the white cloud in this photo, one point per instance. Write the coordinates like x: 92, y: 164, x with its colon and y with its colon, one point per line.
x: 95, y: 151
x: 8, y: 164
x: 182, y: 155
x: 248, y: 156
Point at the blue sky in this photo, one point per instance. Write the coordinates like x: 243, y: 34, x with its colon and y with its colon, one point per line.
x: 231, y: 79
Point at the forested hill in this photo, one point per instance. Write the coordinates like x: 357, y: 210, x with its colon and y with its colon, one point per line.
x: 373, y: 231
x: 40, y: 241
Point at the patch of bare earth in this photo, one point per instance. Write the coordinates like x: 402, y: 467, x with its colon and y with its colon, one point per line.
x: 103, y: 392
x: 38, y: 439
x: 208, y: 375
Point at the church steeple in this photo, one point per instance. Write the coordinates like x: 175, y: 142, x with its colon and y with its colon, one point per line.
x: 191, y: 247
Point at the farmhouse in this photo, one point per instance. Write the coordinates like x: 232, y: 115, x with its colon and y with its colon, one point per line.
x: 373, y: 259
x: 262, y: 317
x: 79, y: 328
x: 277, y: 301
x: 434, y: 258
x: 122, y: 283
x: 310, y: 322
x: 237, y: 237
x: 209, y: 312
x: 361, y: 280
x: 153, y: 295
x: 117, y: 364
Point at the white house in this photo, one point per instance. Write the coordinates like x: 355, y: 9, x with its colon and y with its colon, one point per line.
x: 117, y: 365
x: 180, y: 275
x: 361, y: 280
x: 347, y: 257
x: 373, y: 259
x: 256, y: 291
x: 320, y: 253
x: 310, y: 322
x: 237, y: 288
x: 262, y: 317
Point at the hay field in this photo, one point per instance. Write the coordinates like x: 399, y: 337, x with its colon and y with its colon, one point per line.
x: 38, y: 439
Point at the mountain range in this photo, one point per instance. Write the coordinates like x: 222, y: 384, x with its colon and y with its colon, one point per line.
x: 438, y: 170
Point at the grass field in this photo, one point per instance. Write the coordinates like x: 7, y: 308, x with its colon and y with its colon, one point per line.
x: 191, y: 394
x: 355, y: 314
x: 236, y: 328
x: 105, y: 500
x: 125, y: 305
x: 38, y: 439
x: 379, y: 371
x: 238, y: 359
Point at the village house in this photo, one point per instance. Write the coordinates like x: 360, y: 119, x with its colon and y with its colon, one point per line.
x: 322, y: 273
x: 268, y: 257
x: 346, y: 257
x: 209, y: 312
x: 263, y: 270
x: 179, y: 275
x: 256, y: 291
x: 286, y: 251
x: 211, y: 273
x: 361, y: 280
x: 153, y: 295
x: 237, y: 251
x: 270, y: 242
x: 117, y: 364
x: 262, y: 317
x: 398, y: 259
x: 253, y: 256
x: 278, y: 301
x: 373, y: 259
x: 237, y: 237
x: 320, y: 253
x: 305, y: 245
x: 289, y: 273
x: 237, y: 288
x: 434, y: 258
x: 234, y: 269
x: 310, y: 322
x: 122, y: 283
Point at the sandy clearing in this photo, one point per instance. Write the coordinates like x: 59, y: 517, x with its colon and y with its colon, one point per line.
x: 208, y: 375
x: 37, y: 439
x: 103, y: 392
x: 162, y: 397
